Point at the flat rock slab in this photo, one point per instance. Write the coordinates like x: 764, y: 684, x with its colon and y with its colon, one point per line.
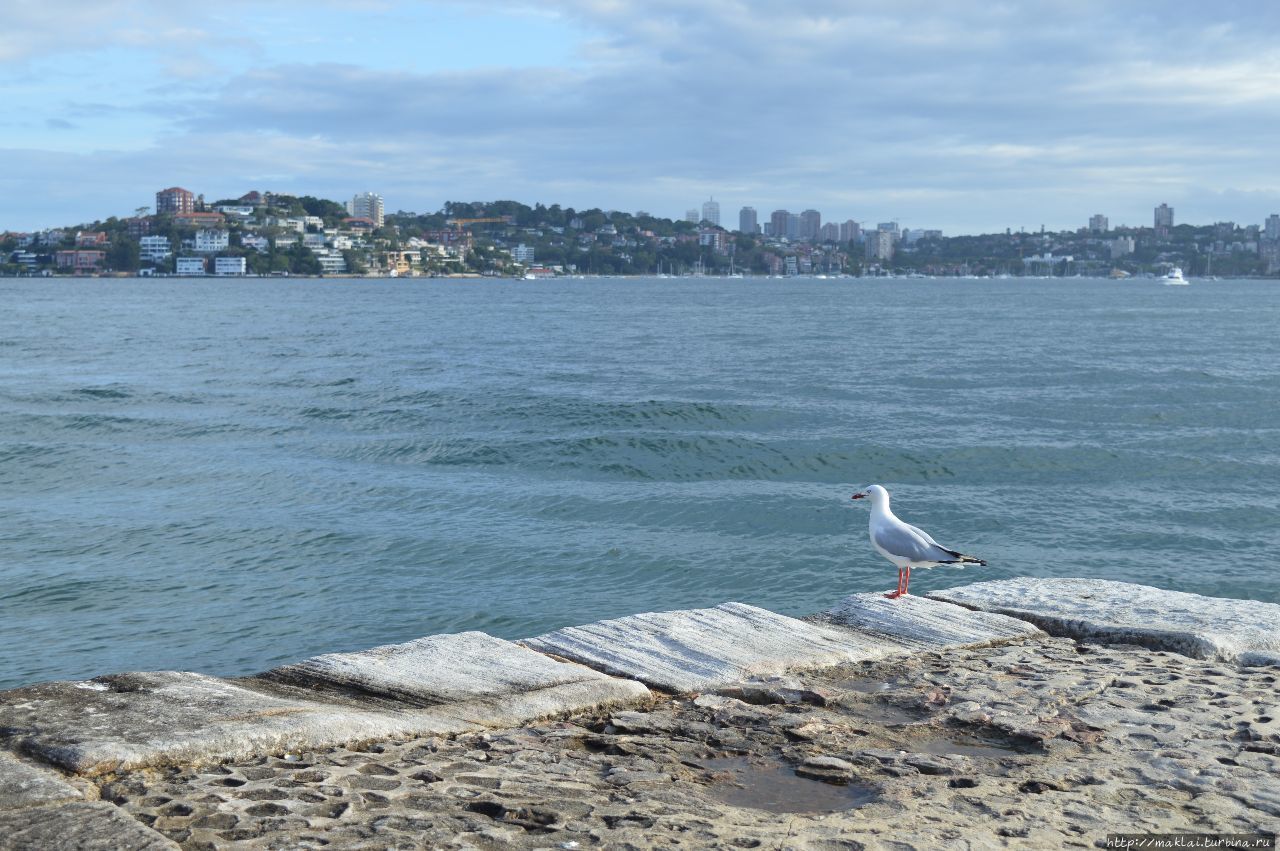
x: 705, y: 649
x: 924, y: 624
x: 25, y: 785
x: 471, y: 676
x: 1245, y: 632
x: 437, y: 685
x: 138, y: 720
x: 83, y: 826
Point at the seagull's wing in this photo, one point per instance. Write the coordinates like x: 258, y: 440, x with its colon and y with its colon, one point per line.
x: 956, y: 557
x: 910, y: 543
x: 923, y: 534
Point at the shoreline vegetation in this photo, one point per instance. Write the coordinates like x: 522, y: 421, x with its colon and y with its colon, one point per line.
x: 1041, y: 713
x: 262, y: 234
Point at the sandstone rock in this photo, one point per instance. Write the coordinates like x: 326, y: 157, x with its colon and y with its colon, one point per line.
x: 1246, y: 632
x: 136, y: 720
x: 80, y: 826
x: 25, y: 785
x: 438, y: 685
x: 703, y: 649
x: 926, y: 624
x: 471, y: 676
x: 828, y: 769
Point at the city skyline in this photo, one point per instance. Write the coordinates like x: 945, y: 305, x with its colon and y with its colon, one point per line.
x: 973, y: 118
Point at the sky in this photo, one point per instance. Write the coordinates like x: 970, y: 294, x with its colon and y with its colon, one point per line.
x: 971, y: 117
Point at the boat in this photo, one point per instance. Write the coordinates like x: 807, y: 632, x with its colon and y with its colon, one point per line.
x: 1174, y: 277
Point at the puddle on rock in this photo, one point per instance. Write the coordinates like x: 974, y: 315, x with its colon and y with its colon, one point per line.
x: 964, y: 746
x: 883, y: 713
x: 774, y: 787
x: 861, y: 686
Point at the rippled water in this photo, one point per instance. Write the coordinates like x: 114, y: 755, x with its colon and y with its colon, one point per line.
x: 225, y: 475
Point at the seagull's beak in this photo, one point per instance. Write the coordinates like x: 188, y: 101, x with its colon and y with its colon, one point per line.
x: 859, y: 495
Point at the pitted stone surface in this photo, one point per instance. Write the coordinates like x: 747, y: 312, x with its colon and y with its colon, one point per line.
x: 24, y: 784
x: 924, y: 624
x: 82, y: 826
x: 1031, y: 744
x: 471, y: 676
x: 1245, y: 632
x: 703, y: 649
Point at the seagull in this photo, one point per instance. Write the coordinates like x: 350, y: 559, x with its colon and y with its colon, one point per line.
x: 904, y: 544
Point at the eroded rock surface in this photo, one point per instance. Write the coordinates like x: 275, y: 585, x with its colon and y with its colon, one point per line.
x: 1241, y: 631
x: 1032, y: 744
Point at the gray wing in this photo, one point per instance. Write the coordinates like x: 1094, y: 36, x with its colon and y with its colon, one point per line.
x: 922, y: 533
x: 910, y: 543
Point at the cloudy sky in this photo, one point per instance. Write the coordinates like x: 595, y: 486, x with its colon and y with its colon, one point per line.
x: 968, y: 116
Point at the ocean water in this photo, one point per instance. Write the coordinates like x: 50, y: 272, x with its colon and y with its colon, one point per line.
x: 226, y: 475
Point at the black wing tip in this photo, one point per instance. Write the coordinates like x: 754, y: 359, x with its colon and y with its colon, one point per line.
x: 961, y: 558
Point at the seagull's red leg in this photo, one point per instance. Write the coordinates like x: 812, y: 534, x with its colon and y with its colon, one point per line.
x: 896, y: 594
x: 908, y: 582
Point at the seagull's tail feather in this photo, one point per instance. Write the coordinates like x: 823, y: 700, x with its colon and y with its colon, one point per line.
x: 961, y: 558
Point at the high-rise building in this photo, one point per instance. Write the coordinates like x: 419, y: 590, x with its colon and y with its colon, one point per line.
x: 850, y: 231
x: 1273, y: 227
x: 711, y: 211
x: 1098, y: 224
x: 810, y: 224
x: 793, y: 226
x: 779, y: 219
x: 1164, y: 219
x: 175, y: 200
x: 891, y: 227
x: 691, y: 215
x: 830, y: 232
x: 367, y: 205
x: 747, y: 220
x: 880, y: 244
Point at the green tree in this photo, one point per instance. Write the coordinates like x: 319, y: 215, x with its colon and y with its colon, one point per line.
x: 122, y: 255
x: 302, y: 261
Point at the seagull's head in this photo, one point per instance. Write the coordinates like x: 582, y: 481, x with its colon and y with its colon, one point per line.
x: 875, y: 494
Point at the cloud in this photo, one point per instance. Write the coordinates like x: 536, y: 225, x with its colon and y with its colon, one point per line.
x: 968, y: 116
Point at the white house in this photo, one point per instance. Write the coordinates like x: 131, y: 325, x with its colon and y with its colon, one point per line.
x: 212, y: 241
x: 313, y: 240
x: 331, y: 262
x: 190, y: 265
x: 229, y: 266
x: 259, y: 243
x: 522, y: 253
x: 154, y: 249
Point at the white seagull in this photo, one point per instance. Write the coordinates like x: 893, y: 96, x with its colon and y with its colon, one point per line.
x: 904, y: 544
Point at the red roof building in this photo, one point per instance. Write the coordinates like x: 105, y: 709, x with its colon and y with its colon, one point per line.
x: 175, y: 200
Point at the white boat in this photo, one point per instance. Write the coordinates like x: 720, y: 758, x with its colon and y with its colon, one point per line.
x: 1174, y: 277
